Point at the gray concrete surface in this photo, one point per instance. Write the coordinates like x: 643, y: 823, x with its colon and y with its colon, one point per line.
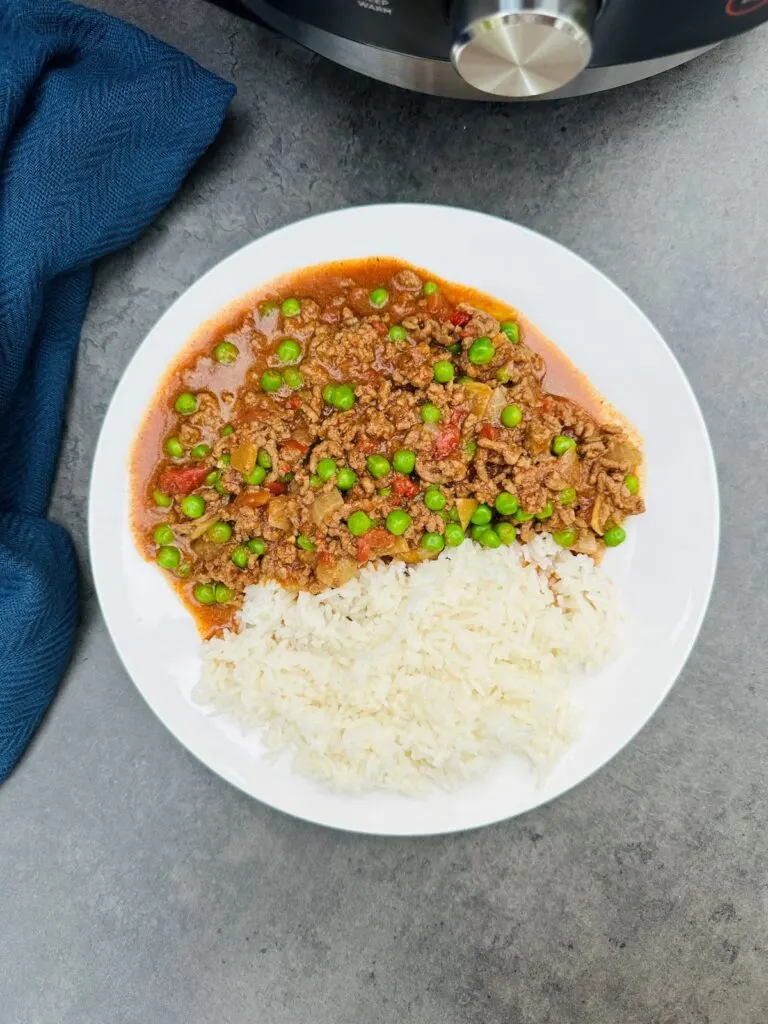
x: 137, y: 888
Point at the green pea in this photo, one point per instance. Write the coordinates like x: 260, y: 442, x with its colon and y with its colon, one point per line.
x: 614, y: 536
x: 434, y: 499
x: 632, y: 483
x: 240, y: 557
x: 213, y: 478
x: 174, y: 447
x: 264, y: 459
x: 184, y: 570
x: 454, y: 535
x: 292, y: 378
x: 523, y: 517
x: 219, y: 532
x: 343, y: 397
x: 506, y: 504
x: 429, y: 288
x: 226, y: 430
x: 289, y: 351
x: 271, y: 381
x: 404, y: 461
x: 257, y: 546
x: 359, y: 523
x: 256, y: 477
x: 443, y: 371
x: 398, y: 522
x: 432, y: 542
x: 385, y: 492
x: 511, y: 416
x: 453, y: 516
x: 163, y: 534
x: 329, y: 391
x: 346, y: 478
x: 286, y: 478
x: 512, y: 331
x: 379, y: 297
x: 568, y: 496
x: 193, y: 506
x: 225, y: 352
x: 481, y: 351
x: 476, y: 532
x: 454, y: 347
x: 397, y: 333
x: 168, y: 557
x: 305, y: 543
x: 489, y: 538
x: 377, y: 466
x: 205, y: 593
x: 186, y: 403
x: 506, y: 532
x: 315, y: 481
x: 561, y: 444
x: 291, y: 307
x: 545, y: 512
x: 222, y: 593
x: 224, y: 459
x: 163, y: 500
x: 465, y: 380
x: 200, y: 451
x: 220, y: 488
x: 503, y: 375
x: 268, y: 308
x: 470, y: 447
x: 326, y: 468
x: 565, y: 538
x: 481, y: 516
x: 429, y: 413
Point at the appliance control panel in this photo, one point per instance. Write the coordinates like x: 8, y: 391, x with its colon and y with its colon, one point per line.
x: 624, y: 31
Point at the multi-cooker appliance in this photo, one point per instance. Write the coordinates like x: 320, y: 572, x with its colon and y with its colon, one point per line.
x: 509, y: 49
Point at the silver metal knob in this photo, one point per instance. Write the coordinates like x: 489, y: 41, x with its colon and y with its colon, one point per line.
x: 522, y: 47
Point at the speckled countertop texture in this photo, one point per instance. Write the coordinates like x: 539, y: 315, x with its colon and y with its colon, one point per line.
x: 138, y: 888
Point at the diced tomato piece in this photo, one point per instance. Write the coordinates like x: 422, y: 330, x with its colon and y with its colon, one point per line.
x: 446, y: 442
x: 460, y: 318
x: 182, y: 479
x: 294, y: 402
x: 488, y: 430
x: 277, y: 487
x: 373, y: 543
x: 252, y: 499
x: 404, y: 487
x: 291, y: 445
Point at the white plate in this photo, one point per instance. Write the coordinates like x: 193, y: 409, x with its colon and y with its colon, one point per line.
x: 665, y: 568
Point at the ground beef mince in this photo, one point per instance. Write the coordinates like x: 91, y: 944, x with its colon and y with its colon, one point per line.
x: 359, y: 411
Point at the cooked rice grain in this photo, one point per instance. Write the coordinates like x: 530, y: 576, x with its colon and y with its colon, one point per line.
x: 412, y: 677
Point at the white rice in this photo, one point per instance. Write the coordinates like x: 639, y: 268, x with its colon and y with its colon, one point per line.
x: 411, y: 677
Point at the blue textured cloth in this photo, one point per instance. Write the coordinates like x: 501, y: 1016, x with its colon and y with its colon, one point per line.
x: 99, y: 123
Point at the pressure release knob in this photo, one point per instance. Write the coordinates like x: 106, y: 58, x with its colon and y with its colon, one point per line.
x: 522, y: 47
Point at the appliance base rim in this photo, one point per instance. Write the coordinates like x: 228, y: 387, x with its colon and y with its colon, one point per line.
x: 439, y: 77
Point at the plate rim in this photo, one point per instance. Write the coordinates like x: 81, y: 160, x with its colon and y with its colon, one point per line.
x: 225, y: 771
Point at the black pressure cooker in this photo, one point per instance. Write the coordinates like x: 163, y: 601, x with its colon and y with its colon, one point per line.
x: 509, y: 49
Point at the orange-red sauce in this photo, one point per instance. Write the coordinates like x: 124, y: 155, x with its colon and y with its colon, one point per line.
x: 192, y: 371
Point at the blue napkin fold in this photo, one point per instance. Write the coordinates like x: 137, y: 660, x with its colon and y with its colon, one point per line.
x: 99, y: 124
